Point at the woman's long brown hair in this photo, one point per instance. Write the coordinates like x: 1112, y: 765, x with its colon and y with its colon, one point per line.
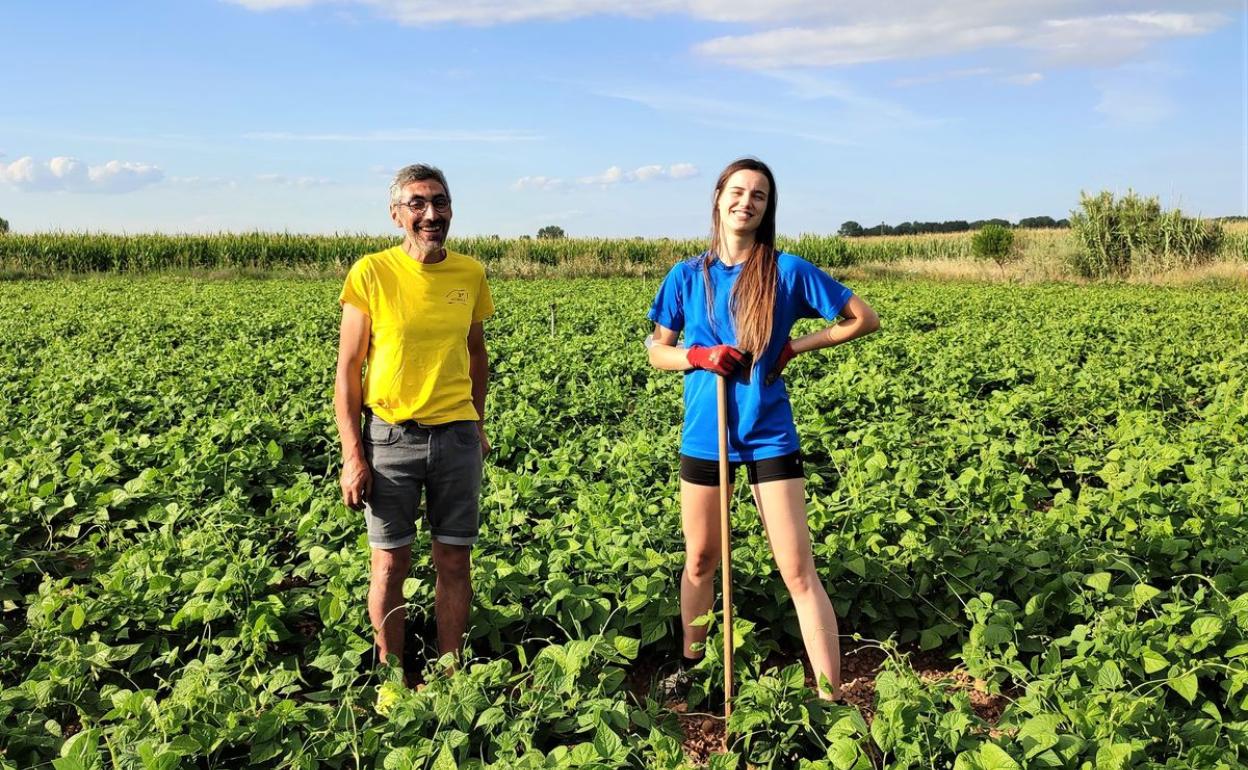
x: 754, y: 294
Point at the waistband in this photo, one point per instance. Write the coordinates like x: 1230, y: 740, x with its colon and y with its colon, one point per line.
x: 370, y: 417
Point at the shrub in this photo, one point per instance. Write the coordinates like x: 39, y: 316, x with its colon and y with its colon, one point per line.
x: 1132, y: 235
x: 994, y: 241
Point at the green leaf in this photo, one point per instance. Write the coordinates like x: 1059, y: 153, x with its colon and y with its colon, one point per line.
x: 77, y: 617
x: 401, y: 759
x: 584, y: 754
x: 1152, y: 660
x: 445, y: 759
x: 1099, y: 581
x: 627, y: 646
x: 491, y: 717
x: 1114, y: 756
x: 989, y: 756
x: 607, y: 742
x: 1185, y: 685
x: 1037, y: 559
x: 1206, y: 625
x: 727, y: 761
x: 1237, y: 650
x: 1109, y: 677
x: 844, y: 753
x: 857, y: 566
x: 1143, y: 593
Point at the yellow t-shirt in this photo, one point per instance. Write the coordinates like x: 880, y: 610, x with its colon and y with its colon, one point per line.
x: 417, y: 366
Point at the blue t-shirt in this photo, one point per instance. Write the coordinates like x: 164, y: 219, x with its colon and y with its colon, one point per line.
x: 760, y: 419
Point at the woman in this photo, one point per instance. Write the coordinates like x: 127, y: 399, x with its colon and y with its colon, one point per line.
x: 736, y: 305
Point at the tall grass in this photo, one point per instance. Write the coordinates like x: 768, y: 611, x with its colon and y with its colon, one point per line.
x: 1044, y: 252
x: 1131, y: 235
x: 92, y: 252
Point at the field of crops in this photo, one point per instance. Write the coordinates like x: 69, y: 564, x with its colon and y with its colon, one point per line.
x: 1041, y: 487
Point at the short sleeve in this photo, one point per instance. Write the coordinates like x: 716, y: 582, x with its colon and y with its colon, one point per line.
x: 818, y: 294
x: 668, y: 309
x: 485, y: 303
x: 355, y: 289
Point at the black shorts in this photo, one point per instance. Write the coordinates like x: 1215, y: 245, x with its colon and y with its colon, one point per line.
x: 706, y: 472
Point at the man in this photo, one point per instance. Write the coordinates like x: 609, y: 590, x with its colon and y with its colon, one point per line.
x: 414, y: 313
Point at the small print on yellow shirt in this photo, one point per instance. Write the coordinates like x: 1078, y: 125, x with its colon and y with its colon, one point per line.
x: 417, y: 366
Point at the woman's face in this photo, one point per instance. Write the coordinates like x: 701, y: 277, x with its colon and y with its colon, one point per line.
x: 742, y: 201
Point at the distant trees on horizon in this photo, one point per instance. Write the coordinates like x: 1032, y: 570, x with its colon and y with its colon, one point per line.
x: 852, y: 229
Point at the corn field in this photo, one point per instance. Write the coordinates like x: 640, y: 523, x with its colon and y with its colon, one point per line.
x: 62, y: 252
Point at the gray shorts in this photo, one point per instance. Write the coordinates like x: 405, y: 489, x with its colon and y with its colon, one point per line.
x: 442, y: 461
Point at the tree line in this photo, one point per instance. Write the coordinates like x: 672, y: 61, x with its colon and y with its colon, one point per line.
x: 852, y: 229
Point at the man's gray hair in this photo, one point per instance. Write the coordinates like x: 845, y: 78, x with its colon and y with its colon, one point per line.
x: 417, y: 172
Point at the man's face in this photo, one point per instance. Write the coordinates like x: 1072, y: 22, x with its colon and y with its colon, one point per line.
x: 428, y: 227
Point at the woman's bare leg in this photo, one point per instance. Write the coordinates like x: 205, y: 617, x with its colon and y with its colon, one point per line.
x: 699, y: 515
x: 782, y: 505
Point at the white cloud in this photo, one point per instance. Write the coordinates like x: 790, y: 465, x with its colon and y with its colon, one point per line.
x: 646, y: 173
x: 484, y: 12
x: 303, y: 182
x: 492, y: 12
x: 851, y: 44
x: 940, y: 77
x: 272, y: 5
x: 1103, y: 39
x: 1111, y: 39
x: 817, y: 33
x: 118, y: 177
x: 614, y: 175
x: 544, y: 183
x: 65, y: 174
x: 682, y: 170
x: 1025, y: 79
x: 858, y: 116
x: 202, y: 182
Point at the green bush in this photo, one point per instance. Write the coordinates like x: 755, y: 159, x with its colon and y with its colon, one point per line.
x: 995, y: 242
x: 1132, y: 235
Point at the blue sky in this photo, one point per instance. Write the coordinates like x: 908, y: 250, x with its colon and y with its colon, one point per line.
x: 612, y: 118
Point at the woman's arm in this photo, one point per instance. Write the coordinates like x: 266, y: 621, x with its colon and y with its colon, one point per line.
x: 859, y: 320
x: 664, y: 353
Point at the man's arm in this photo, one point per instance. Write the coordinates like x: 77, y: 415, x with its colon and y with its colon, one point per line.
x: 479, y: 372
x: 353, y: 337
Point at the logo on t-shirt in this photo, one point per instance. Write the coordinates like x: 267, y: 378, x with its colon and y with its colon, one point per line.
x: 457, y: 297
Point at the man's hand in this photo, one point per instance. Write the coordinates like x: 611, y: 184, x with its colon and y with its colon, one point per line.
x: 356, y: 482
x: 724, y: 360
x: 485, y: 440
x: 786, y: 355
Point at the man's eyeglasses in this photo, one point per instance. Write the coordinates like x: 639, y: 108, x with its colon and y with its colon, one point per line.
x: 440, y: 203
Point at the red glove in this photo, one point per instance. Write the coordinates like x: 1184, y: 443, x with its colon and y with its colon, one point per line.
x: 724, y: 360
x: 786, y: 355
